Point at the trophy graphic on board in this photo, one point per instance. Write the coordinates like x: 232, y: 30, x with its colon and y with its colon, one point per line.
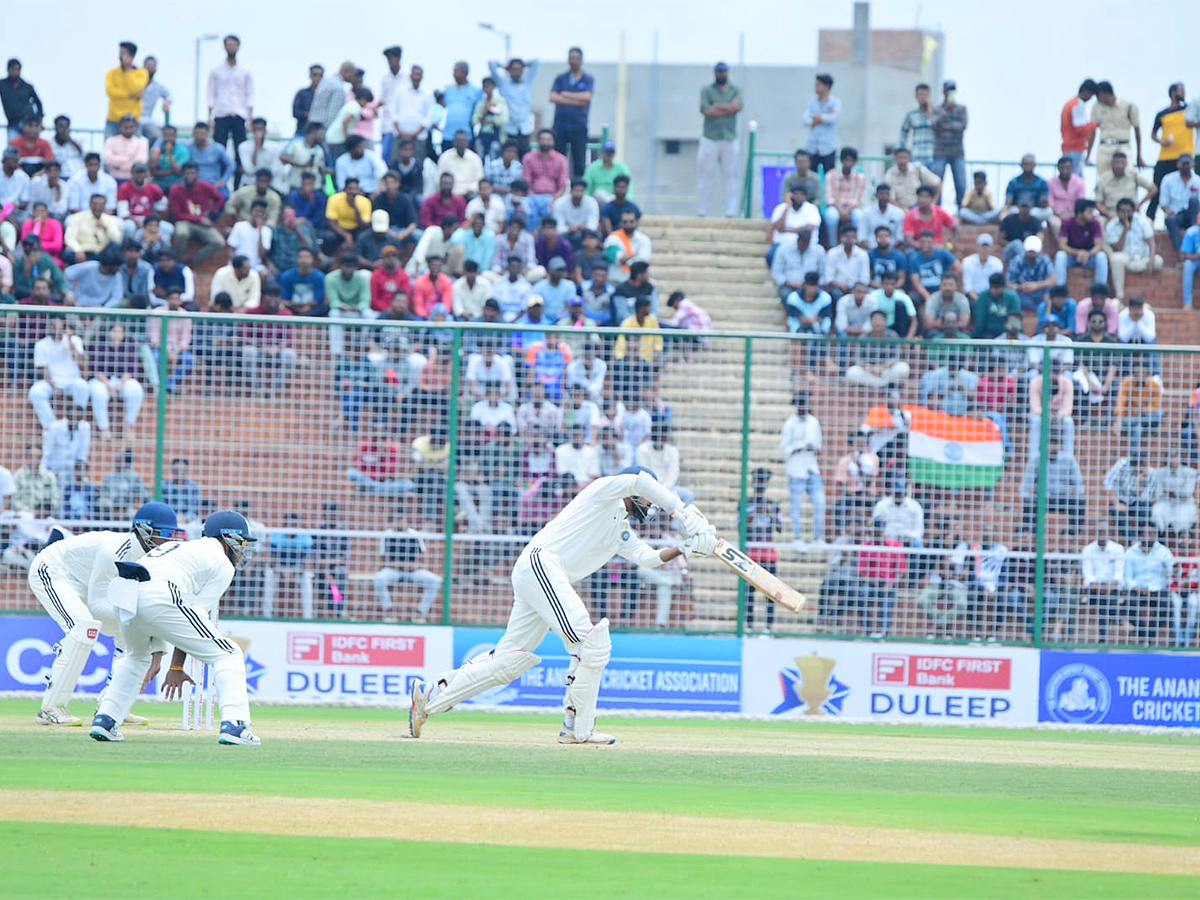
x: 813, y: 688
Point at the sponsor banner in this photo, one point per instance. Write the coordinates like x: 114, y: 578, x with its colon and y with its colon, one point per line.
x: 27, y: 651
x: 923, y: 683
x: 646, y: 672
x: 1120, y: 689
x: 334, y: 661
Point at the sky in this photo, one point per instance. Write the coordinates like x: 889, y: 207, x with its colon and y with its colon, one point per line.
x: 1013, y: 71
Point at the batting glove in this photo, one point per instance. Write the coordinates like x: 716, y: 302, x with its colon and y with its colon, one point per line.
x: 701, y: 544
x: 692, y: 521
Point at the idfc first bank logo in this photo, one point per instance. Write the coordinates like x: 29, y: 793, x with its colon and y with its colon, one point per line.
x: 378, y: 650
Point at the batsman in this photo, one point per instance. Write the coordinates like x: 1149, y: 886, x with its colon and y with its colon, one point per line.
x: 589, y: 531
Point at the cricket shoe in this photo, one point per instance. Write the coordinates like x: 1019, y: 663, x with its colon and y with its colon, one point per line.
x: 57, y: 716
x: 418, y: 709
x: 237, y: 733
x: 596, y: 737
x: 104, y: 728
x: 131, y: 719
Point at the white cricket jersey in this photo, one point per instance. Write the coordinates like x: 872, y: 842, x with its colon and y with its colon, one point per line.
x: 75, y: 558
x: 195, y: 573
x: 594, y: 526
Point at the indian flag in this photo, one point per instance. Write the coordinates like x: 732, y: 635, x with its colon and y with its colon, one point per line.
x: 953, y: 451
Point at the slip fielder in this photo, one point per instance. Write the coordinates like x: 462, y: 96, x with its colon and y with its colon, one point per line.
x: 578, y: 541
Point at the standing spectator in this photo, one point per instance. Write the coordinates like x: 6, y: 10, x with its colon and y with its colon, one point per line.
x: 844, y: 189
x: 763, y: 522
x: 916, y: 131
x: 979, y: 208
x: 1185, y: 591
x: 152, y: 93
x: 1113, y: 119
x: 303, y: 99
x: 1173, y: 495
x: 195, y: 206
x: 1084, y: 244
x: 411, y: 114
x: 880, y: 569
x: 1065, y: 491
x: 720, y: 103
x: 882, y: 214
x: 393, y: 80
x: 1076, y: 127
x: 1102, y: 568
x: 1139, y: 408
x: 1179, y: 196
x: 1031, y: 274
x: 949, y: 121
x: 346, y: 120
x: 1176, y: 139
x: 902, y: 517
x: 230, y: 100
x: 19, y: 98
x: 978, y: 268
x: 514, y: 82
x: 331, y: 553
x: 905, y: 176
x: 1132, y: 246
x: 571, y: 94
x: 799, y: 444
x: 125, y: 86
x: 1147, y: 576
x: 181, y: 493
x: 490, y: 121
x: 459, y: 99
x: 216, y: 165
x: 822, y: 115
x: 1065, y: 191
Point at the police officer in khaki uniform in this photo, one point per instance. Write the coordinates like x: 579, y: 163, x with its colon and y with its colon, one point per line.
x: 1113, y: 120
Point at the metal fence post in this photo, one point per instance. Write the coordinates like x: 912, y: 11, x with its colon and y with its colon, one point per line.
x: 161, y: 412
x: 1039, y: 577
x: 748, y: 181
x: 744, y: 476
x: 451, y: 474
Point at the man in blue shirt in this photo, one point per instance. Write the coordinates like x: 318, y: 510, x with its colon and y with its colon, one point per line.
x: 610, y: 212
x: 927, y: 264
x: 1058, y: 307
x: 821, y: 116
x: 885, y: 259
x: 181, y: 493
x: 515, y: 84
x: 214, y: 162
x: 308, y: 203
x: 571, y: 95
x: 1031, y: 273
x: 302, y: 287
x: 459, y: 99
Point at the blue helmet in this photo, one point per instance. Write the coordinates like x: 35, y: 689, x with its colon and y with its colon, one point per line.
x: 154, y: 524
x: 643, y: 509
x: 233, y: 531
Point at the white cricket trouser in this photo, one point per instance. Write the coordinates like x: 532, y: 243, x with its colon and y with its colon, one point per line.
x: 427, y: 581
x: 60, y: 595
x: 543, y: 600
x: 162, y: 614
x: 42, y: 393
x: 132, y: 394
x: 717, y: 162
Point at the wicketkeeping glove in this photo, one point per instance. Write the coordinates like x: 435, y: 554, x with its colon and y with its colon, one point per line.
x: 691, y: 521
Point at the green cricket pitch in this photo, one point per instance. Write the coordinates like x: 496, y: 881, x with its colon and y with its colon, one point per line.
x: 340, y: 803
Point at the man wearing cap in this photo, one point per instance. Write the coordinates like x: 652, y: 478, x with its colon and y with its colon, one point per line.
x: 140, y: 197
x: 371, y: 242
x: 1031, y: 274
x: 1113, y: 119
x: 556, y: 289
x: 124, y: 86
x: 717, y: 158
x: 949, y: 121
x: 393, y: 79
x: 598, y: 176
x: 576, y: 213
x: 460, y: 161
x: 514, y: 83
x: 979, y: 267
x: 359, y: 162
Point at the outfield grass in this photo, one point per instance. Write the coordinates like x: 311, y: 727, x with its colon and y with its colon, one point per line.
x: 483, y: 769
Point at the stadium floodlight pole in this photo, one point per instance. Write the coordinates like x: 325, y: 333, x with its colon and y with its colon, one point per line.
x: 488, y: 26
x: 196, y: 97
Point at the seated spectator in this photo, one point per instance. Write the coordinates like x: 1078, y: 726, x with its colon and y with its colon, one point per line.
x: 309, y: 203
x: 445, y: 203
x: 267, y: 346
x: 545, y: 168
x: 181, y: 493
x: 1066, y: 189
x: 578, y: 409
x: 47, y: 231
x: 994, y: 307
x: 1132, y: 490
x: 899, y: 311
x: 614, y: 455
x: 96, y: 282
x: 489, y: 366
x: 82, y: 186
x: 1136, y: 324
x: 882, y: 214
x: 1101, y: 564
x: 371, y: 242
x: 401, y: 550
x: 240, y: 282
x: 493, y: 409
x: 431, y: 288
x: 512, y: 291
x: 195, y: 206
x: 463, y: 164
x: 577, y: 459
x: 1129, y: 241
x: 477, y: 243
x: 167, y: 156
x: 80, y: 498
x: 637, y: 287
x: 137, y: 275
x: 51, y: 189
x: 122, y: 491
x: 470, y: 293
x: 946, y: 299
x: 996, y: 393
x: 437, y: 242
x: 926, y: 266
x: 152, y: 237
x: 216, y: 343
x: 290, y: 551
x: 362, y: 163
x: 790, y: 219
x: 612, y: 211
x: 523, y: 342
x: 1179, y: 199
x: 575, y: 212
x: 65, y: 444
x: 901, y: 517
x: 241, y: 202
x: 1084, y: 245
x: 846, y: 264
x: 884, y: 257
x: 88, y: 232
x: 600, y: 173
x: 1173, y: 495
x: 1062, y: 405
x: 1064, y: 355
x: 856, y: 481
x: 1098, y: 300
x: 1028, y: 186
x: 905, y: 177
x: 1189, y: 252
x: 216, y: 165
x: 557, y: 289
x: 1098, y: 366
x: 347, y: 214
x: 33, y: 151
x: 1065, y: 491
x: 1146, y: 578
x: 1032, y: 274
x: 802, y: 174
x: 179, y: 340
x: 531, y: 209
x: 302, y: 287
x: 978, y: 207
x: 844, y: 190
x: 588, y: 371
x: 978, y: 268
x: 810, y: 311
x: 538, y: 415
x: 597, y: 294
x: 1139, y: 407
x: 115, y: 366
x: 402, y: 214
x: 853, y: 316
x: 488, y: 203
x: 1059, y: 307
x: 505, y: 169
x: 625, y: 247
x: 1117, y: 182
x: 638, y: 357
x: 252, y: 239
x: 169, y: 273
x: 926, y: 216
x: 138, y: 198
x: 950, y: 373
x: 794, y: 260
x: 515, y: 241
x: 348, y: 295
x: 1017, y: 228
x: 256, y: 154
x: 877, y: 360
x: 549, y: 244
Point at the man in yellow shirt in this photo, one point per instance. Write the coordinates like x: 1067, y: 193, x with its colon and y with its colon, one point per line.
x: 346, y: 214
x: 1172, y: 130
x: 124, y: 86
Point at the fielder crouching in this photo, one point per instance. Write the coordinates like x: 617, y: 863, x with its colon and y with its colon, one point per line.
x: 172, y: 595
x: 574, y: 544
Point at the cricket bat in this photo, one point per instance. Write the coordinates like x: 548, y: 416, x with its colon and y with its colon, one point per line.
x: 752, y: 573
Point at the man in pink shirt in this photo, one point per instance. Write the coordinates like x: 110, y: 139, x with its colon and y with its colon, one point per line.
x: 545, y: 169
x: 1065, y: 189
x: 125, y: 148
x: 432, y: 287
x: 1101, y: 302
x: 926, y: 216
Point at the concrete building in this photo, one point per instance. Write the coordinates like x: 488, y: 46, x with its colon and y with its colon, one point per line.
x: 874, y: 75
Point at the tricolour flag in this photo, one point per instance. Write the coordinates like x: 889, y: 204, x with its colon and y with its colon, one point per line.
x: 953, y: 451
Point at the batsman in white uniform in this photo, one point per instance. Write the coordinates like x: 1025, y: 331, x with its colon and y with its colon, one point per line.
x: 574, y: 544
x: 70, y: 578
x: 173, y: 594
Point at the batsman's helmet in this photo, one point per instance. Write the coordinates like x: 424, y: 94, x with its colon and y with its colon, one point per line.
x: 154, y: 524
